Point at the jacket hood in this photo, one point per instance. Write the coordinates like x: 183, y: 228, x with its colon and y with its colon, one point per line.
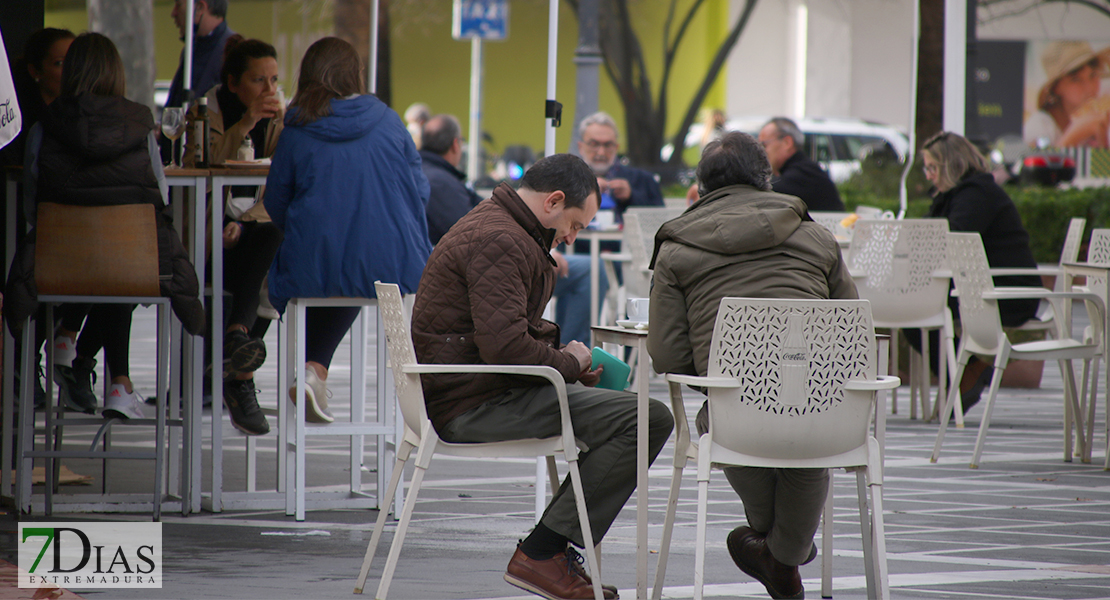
x: 734, y: 220
x: 99, y: 127
x: 350, y: 118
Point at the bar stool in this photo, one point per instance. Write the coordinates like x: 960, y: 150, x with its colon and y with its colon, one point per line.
x: 76, y: 262
x: 296, y: 430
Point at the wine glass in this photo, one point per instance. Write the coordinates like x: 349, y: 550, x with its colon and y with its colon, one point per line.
x: 173, y: 125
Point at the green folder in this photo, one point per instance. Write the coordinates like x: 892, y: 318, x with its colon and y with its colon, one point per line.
x: 615, y: 375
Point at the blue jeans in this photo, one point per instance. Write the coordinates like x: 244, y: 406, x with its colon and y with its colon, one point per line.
x: 572, y: 311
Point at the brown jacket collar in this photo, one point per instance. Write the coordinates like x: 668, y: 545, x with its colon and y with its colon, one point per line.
x: 506, y: 197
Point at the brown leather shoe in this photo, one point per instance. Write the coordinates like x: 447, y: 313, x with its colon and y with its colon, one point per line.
x: 575, y: 560
x: 749, y: 551
x: 553, y: 578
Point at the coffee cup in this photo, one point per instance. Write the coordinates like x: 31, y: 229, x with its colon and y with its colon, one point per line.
x: 638, y: 310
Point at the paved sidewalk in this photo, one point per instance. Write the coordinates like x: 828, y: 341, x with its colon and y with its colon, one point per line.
x: 1024, y: 525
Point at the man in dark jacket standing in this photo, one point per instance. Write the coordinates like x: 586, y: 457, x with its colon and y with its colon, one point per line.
x: 769, y: 251
x: 798, y: 175
x: 481, y: 301
x: 440, y: 155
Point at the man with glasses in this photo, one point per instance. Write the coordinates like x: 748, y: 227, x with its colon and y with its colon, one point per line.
x: 797, y: 174
x: 621, y: 185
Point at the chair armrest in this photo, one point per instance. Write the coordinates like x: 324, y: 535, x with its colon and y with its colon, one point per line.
x: 712, y: 382
x: 1024, y: 271
x: 883, y: 382
x: 1014, y: 293
x: 616, y: 256
x: 1087, y: 269
x: 570, y: 446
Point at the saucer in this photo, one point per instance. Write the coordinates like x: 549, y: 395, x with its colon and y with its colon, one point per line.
x: 632, y: 324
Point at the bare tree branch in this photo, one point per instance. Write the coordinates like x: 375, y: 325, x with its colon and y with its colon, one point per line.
x: 679, y: 141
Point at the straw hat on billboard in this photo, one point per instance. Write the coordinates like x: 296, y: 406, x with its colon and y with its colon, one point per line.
x: 1061, y: 58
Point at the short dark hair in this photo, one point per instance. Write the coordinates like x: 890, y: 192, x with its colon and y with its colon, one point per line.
x: 238, y: 54
x: 439, y: 133
x: 734, y: 159
x: 787, y: 128
x: 93, y: 66
x: 217, y: 8
x: 565, y: 173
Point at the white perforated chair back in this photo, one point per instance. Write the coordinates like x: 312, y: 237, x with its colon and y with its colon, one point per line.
x: 832, y: 221
x: 1072, y: 240
x: 792, y: 359
x: 898, y: 262
x: 971, y: 274
x: 640, y: 226
x: 410, y: 393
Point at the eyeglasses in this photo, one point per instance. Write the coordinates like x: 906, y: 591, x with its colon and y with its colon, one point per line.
x: 766, y: 143
x: 930, y: 169
x: 594, y: 145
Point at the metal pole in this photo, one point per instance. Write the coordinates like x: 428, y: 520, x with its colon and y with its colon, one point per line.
x: 474, y: 142
x: 955, y: 65
x: 915, y: 40
x: 552, y: 47
x: 372, y: 84
x: 587, y: 62
x: 187, y: 73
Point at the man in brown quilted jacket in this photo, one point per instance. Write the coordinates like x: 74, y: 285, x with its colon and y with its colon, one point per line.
x: 481, y: 301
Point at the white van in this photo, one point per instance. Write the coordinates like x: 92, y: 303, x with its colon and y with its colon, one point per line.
x: 838, y: 144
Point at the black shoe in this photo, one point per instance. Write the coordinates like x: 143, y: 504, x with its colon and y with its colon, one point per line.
x: 76, y: 384
x: 242, y: 406
x: 242, y: 353
x: 972, y: 396
x: 749, y: 551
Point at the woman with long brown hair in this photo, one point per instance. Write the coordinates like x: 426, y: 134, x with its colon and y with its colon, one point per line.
x: 346, y: 188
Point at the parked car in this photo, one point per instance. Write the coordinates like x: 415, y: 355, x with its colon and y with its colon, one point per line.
x: 1032, y: 166
x: 838, y: 144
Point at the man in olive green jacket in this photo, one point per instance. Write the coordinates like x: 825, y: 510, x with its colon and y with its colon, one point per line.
x: 742, y: 240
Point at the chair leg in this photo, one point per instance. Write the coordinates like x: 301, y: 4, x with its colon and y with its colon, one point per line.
x: 866, y: 532
x: 1091, y: 365
x: 552, y: 474
x: 1072, y: 400
x: 951, y: 403
x: 987, y: 411
x: 699, y: 548
x: 587, y: 534
x: 383, y: 514
x: 25, y: 438
x: 878, y: 547
x: 423, y: 459
x: 893, y: 368
x: 668, y: 527
x: 827, y: 543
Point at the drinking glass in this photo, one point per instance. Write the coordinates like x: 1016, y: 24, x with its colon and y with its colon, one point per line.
x: 173, y: 125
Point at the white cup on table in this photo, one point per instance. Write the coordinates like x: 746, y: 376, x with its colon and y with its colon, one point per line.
x: 638, y: 310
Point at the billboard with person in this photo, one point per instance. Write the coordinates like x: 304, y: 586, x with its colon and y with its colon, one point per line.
x: 1067, y: 93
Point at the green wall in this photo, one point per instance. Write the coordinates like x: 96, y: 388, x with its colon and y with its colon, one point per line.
x: 430, y: 67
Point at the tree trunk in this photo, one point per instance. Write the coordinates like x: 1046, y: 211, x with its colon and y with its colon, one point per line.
x: 352, y: 23
x: 930, y: 71
x: 130, y: 25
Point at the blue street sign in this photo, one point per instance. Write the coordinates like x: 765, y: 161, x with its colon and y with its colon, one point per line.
x: 483, y: 19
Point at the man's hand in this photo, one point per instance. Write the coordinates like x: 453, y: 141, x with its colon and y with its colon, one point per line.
x: 562, y: 267
x: 591, y: 378
x: 581, y: 352
x: 231, y: 234
x: 620, y: 189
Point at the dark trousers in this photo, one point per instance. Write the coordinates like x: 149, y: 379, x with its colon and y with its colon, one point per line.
x: 325, y: 327
x: 106, y: 326
x: 604, y: 420
x: 245, y: 266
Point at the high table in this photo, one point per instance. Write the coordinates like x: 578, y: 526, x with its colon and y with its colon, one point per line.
x: 636, y: 338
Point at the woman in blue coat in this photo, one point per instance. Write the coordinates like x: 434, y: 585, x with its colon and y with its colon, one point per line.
x: 346, y: 188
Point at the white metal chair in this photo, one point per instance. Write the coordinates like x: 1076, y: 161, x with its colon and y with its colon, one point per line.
x: 1096, y: 271
x: 833, y: 221
x: 766, y: 410
x: 76, y: 262
x: 900, y: 266
x: 421, y: 435
x: 640, y: 227
x: 983, y: 336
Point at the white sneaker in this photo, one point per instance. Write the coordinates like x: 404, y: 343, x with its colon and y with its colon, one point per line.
x: 316, y: 409
x: 122, y: 405
x: 65, y: 350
